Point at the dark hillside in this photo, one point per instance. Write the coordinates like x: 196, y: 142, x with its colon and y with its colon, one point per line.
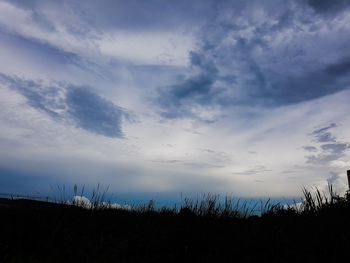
x: 33, y: 231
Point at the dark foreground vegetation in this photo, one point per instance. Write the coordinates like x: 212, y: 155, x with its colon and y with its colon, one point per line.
x: 199, y: 231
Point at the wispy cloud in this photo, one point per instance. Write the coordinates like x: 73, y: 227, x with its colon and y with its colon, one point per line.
x: 74, y: 104
x: 329, y: 149
x: 256, y: 170
x: 322, y: 134
x: 310, y: 148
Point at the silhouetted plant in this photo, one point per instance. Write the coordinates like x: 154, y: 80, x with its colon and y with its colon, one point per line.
x: 206, y: 229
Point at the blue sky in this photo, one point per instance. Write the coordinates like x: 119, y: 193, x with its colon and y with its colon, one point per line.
x: 249, y: 98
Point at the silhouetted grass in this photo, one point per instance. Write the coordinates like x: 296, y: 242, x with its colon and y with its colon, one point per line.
x: 206, y: 229
x: 209, y: 205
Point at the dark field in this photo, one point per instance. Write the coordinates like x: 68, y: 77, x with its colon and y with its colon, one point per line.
x: 34, y: 231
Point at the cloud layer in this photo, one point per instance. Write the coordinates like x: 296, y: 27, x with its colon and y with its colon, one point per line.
x: 330, y: 149
x: 263, y: 54
x: 242, y: 97
x: 73, y: 104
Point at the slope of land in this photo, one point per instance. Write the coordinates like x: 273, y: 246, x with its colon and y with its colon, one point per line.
x: 34, y: 231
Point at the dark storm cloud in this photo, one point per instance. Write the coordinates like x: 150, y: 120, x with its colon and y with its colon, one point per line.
x: 197, y: 88
x: 251, y: 53
x: 329, y: 6
x: 267, y: 54
x: 79, y: 105
x: 311, y: 85
x: 94, y: 113
x: 174, y: 98
x: 328, y: 152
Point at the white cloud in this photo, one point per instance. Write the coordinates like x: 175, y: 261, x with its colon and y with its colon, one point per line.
x: 82, y: 201
x: 148, y: 48
x: 85, y: 202
x: 341, y: 164
x: 21, y: 22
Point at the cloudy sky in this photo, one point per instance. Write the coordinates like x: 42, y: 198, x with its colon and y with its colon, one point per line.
x: 243, y: 97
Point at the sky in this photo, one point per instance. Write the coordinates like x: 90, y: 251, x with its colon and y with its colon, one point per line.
x: 249, y: 98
